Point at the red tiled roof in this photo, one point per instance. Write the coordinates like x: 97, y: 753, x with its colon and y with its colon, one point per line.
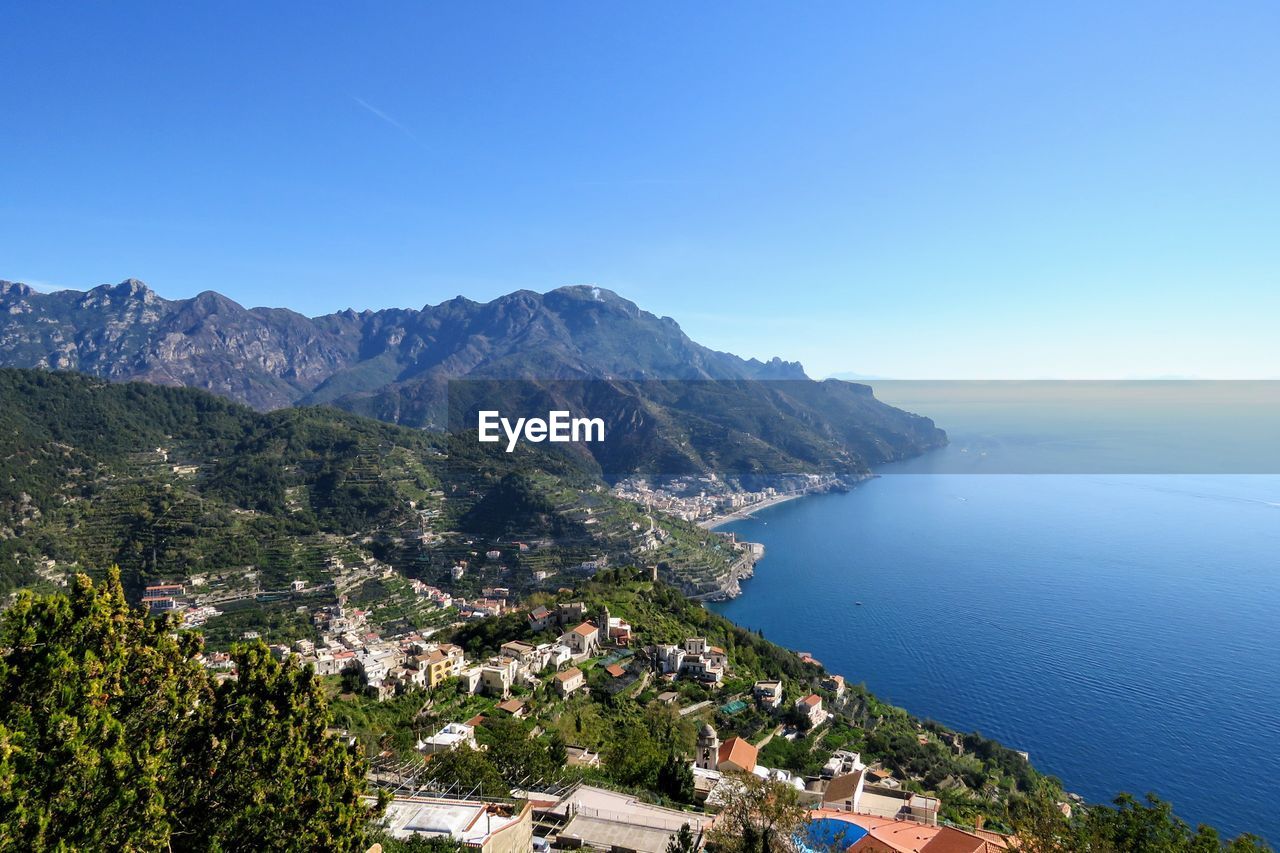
x: 586, y: 629
x: 902, y: 836
x: 614, y: 670
x: 738, y: 751
x: 951, y: 840
x: 811, y: 700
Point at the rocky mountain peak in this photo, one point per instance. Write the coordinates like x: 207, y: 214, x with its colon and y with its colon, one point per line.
x: 14, y: 290
x: 274, y: 357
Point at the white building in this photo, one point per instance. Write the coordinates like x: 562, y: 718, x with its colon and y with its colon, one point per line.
x: 768, y: 694
x: 450, y: 737
x: 811, y: 707
x: 583, y: 640
x: 669, y: 658
x: 497, y: 676
x: 568, y: 681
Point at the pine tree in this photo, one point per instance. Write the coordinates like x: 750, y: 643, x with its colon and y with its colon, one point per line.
x: 113, y: 736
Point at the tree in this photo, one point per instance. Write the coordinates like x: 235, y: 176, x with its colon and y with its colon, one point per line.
x: 675, y: 778
x: 757, y: 815
x: 1152, y: 826
x: 633, y: 755
x: 270, y: 774
x: 557, y: 750
x: 113, y: 736
x: 682, y: 841
x: 1040, y: 823
x: 468, y: 769
x: 354, y: 679
x: 1042, y: 826
x: 513, y: 752
x: 420, y: 844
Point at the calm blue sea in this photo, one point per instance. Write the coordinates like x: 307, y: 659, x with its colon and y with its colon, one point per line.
x: 1123, y: 629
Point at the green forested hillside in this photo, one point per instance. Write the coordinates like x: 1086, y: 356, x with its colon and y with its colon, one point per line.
x: 170, y: 482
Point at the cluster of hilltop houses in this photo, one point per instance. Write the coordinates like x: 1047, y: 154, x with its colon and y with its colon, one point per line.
x: 392, y: 665
x: 874, y: 804
x: 878, y: 810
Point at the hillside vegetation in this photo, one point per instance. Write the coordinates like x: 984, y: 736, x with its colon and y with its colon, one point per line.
x: 169, y: 483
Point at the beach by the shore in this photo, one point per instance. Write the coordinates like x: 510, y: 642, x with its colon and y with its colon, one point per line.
x: 748, y: 511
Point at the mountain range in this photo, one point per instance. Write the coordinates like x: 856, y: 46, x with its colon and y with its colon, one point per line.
x: 681, y: 407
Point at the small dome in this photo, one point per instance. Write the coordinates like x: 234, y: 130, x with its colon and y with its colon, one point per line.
x: 706, y: 731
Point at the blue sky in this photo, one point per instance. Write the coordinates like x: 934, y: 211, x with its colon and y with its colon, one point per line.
x: 913, y: 190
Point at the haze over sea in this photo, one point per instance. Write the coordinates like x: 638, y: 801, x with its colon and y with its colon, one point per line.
x: 1122, y: 628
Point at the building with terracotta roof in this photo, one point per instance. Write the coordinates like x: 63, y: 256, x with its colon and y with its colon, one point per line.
x: 583, y: 640
x: 890, y: 835
x: 568, y: 681
x: 528, y: 655
x: 811, y: 707
x: 905, y: 837
x: 540, y: 618
x: 736, y: 754
x: 435, y: 664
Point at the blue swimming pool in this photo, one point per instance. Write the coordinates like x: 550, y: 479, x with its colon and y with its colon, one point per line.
x: 828, y: 833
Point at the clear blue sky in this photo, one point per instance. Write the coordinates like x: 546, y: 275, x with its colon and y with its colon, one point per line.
x: 953, y: 191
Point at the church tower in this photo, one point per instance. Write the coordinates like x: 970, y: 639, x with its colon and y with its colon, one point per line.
x: 708, y: 748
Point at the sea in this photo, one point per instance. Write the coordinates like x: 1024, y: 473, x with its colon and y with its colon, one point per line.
x: 1121, y: 628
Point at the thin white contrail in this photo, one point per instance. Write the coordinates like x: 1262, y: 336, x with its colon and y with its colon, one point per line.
x: 387, y: 118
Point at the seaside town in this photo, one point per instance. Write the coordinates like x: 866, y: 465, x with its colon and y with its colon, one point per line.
x: 493, y: 661
x: 709, y: 500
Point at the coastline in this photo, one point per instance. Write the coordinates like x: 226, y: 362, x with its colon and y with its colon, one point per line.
x: 748, y: 511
